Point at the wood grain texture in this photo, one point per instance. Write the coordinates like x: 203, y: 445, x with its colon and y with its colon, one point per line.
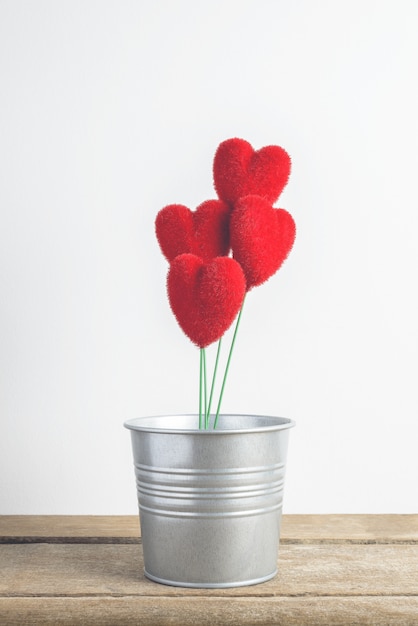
x: 338, y: 611
x: 80, y: 569
x: 295, y: 528
x: 107, y: 528
x: 354, y: 569
x: 350, y: 529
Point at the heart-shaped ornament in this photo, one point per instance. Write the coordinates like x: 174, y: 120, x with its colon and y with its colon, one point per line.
x: 239, y: 171
x: 261, y: 238
x: 204, y: 232
x: 204, y: 296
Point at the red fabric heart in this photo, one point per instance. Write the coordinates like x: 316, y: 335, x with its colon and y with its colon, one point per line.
x: 204, y: 232
x: 205, y: 297
x: 239, y: 171
x: 261, y: 238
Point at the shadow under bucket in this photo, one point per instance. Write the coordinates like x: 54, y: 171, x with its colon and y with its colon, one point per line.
x: 210, y: 501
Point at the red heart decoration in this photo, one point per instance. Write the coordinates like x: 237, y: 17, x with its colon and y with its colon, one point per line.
x: 261, y: 238
x: 204, y: 232
x: 204, y: 296
x: 240, y: 171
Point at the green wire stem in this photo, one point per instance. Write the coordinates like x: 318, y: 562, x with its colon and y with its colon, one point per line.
x: 204, y: 384
x: 227, y: 365
x: 213, y: 382
x: 200, y: 389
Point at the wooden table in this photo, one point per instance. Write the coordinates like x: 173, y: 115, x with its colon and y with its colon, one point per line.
x: 333, y: 569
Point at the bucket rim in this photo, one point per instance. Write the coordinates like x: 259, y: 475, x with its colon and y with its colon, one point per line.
x: 149, y: 424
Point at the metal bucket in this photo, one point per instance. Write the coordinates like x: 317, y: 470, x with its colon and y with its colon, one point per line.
x: 210, y: 501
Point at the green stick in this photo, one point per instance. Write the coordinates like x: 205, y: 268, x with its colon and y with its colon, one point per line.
x: 200, y: 389
x: 213, y: 382
x: 227, y: 365
x: 204, y: 384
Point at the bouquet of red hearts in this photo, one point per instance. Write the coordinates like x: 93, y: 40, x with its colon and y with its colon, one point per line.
x: 225, y: 248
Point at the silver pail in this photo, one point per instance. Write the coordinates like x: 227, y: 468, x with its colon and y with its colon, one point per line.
x: 210, y: 501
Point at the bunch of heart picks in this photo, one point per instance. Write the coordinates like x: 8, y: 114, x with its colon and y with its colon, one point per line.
x: 224, y: 248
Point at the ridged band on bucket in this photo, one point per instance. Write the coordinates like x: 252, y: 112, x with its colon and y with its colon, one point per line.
x: 210, y: 493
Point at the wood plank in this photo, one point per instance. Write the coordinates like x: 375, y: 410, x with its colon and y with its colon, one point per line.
x: 350, y: 528
x: 336, y: 611
x: 295, y: 528
x: 64, y: 528
x: 105, y: 569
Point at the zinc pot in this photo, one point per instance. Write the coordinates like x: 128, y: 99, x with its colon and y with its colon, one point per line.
x: 210, y: 501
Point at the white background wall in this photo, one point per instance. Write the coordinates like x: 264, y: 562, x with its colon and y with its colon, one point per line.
x: 111, y: 109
